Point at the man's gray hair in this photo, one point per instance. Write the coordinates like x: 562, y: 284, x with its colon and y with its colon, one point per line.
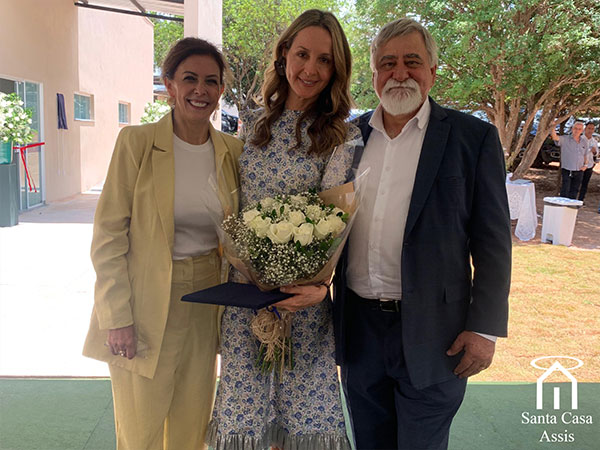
x: 401, y: 27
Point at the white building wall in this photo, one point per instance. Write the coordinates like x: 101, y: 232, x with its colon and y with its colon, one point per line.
x: 115, y: 64
x: 69, y: 50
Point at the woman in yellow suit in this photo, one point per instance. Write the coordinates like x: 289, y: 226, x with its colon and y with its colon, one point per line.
x: 154, y: 242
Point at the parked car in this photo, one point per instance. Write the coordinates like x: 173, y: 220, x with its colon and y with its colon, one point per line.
x: 549, y: 152
x: 229, y: 123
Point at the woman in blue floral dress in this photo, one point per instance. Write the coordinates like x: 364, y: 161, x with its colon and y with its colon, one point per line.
x: 299, y: 141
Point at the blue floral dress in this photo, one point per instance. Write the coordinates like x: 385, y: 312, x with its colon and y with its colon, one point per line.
x: 303, y: 409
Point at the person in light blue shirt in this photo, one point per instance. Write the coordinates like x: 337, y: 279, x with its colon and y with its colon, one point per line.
x: 573, y: 150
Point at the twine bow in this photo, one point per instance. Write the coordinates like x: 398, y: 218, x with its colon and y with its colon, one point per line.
x: 273, y: 329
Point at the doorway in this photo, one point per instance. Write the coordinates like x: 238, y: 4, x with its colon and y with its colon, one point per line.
x: 30, y: 162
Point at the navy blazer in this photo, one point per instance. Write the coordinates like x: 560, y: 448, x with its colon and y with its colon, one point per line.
x: 458, y: 213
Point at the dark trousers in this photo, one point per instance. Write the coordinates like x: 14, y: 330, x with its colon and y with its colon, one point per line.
x: 386, y: 411
x: 571, y: 180
x: 585, y: 180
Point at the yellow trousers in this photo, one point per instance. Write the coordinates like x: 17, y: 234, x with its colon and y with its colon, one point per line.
x: 171, y: 410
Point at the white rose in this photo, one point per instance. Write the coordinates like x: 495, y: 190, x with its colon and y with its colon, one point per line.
x: 260, y: 226
x: 304, y: 233
x: 336, y: 211
x: 297, y: 218
x: 336, y: 224
x: 322, y: 229
x: 314, y: 212
x: 280, y: 233
x: 250, y: 215
x: 267, y: 203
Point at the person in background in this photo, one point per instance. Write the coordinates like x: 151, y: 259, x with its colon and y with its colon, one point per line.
x: 413, y: 319
x: 154, y: 242
x: 573, y: 149
x: 590, y: 158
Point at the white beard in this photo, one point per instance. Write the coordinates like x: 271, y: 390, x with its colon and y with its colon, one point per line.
x: 401, y: 101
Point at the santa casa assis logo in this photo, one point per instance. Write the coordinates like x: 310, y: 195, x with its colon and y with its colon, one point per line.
x: 562, y: 420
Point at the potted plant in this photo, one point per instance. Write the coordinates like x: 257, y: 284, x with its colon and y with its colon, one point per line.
x: 15, y: 125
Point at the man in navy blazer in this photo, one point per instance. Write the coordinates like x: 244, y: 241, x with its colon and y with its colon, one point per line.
x: 422, y: 291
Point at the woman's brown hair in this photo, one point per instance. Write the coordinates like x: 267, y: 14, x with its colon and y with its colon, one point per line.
x: 332, y: 106
x: 187, y: 47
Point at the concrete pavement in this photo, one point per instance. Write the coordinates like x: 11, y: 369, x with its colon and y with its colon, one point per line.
x: 46, y: 291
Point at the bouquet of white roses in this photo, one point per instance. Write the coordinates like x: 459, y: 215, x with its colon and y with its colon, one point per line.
x: 285, y: 240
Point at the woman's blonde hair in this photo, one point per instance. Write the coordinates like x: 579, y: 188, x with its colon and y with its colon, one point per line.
x: 332, y: 106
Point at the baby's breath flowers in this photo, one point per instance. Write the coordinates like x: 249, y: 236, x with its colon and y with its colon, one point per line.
x: 286, y: 238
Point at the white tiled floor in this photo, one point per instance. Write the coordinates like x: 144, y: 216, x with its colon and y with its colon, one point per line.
x: 46, y: 291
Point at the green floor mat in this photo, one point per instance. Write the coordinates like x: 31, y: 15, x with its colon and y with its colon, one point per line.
x: 76, y: 414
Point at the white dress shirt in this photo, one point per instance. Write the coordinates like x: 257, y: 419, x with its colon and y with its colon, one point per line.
x: 592, y: 143
x: 376, y: 238
x: 375, y: 242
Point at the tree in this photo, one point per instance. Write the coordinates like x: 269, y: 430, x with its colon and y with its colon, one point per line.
x: 166, y: 33
x: 360, y: 29
x: 523, y: 63
x: 250, y: 29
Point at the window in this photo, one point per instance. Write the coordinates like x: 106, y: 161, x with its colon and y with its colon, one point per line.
x: 83, y: 107
x: 123, y: 112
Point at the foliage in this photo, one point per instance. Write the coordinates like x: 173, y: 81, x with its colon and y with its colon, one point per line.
x: 511, y: 60
x: 166, y: 33
x: 154, y: 111
x: 15, y: 120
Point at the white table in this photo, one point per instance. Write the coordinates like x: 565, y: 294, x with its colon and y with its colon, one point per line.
x: 521, y: 202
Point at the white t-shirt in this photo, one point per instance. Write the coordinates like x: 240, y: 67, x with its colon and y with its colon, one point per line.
x: 195, y: 230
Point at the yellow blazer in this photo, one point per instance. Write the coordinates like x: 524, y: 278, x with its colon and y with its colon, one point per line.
x: 133, y: 237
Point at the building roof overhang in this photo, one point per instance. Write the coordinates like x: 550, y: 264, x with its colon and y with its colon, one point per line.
x: 162, y: 9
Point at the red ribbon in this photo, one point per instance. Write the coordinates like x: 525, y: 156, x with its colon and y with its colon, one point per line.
x: 24, y: 159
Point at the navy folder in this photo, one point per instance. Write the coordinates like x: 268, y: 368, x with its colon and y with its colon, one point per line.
x: 236, y: 294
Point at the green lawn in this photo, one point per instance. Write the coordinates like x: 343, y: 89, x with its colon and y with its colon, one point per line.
x: 554, y: 310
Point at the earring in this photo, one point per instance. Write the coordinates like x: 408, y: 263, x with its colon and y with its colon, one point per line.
x: 280, y: 66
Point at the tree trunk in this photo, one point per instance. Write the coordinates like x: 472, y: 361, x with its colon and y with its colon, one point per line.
x: 531, y: 152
